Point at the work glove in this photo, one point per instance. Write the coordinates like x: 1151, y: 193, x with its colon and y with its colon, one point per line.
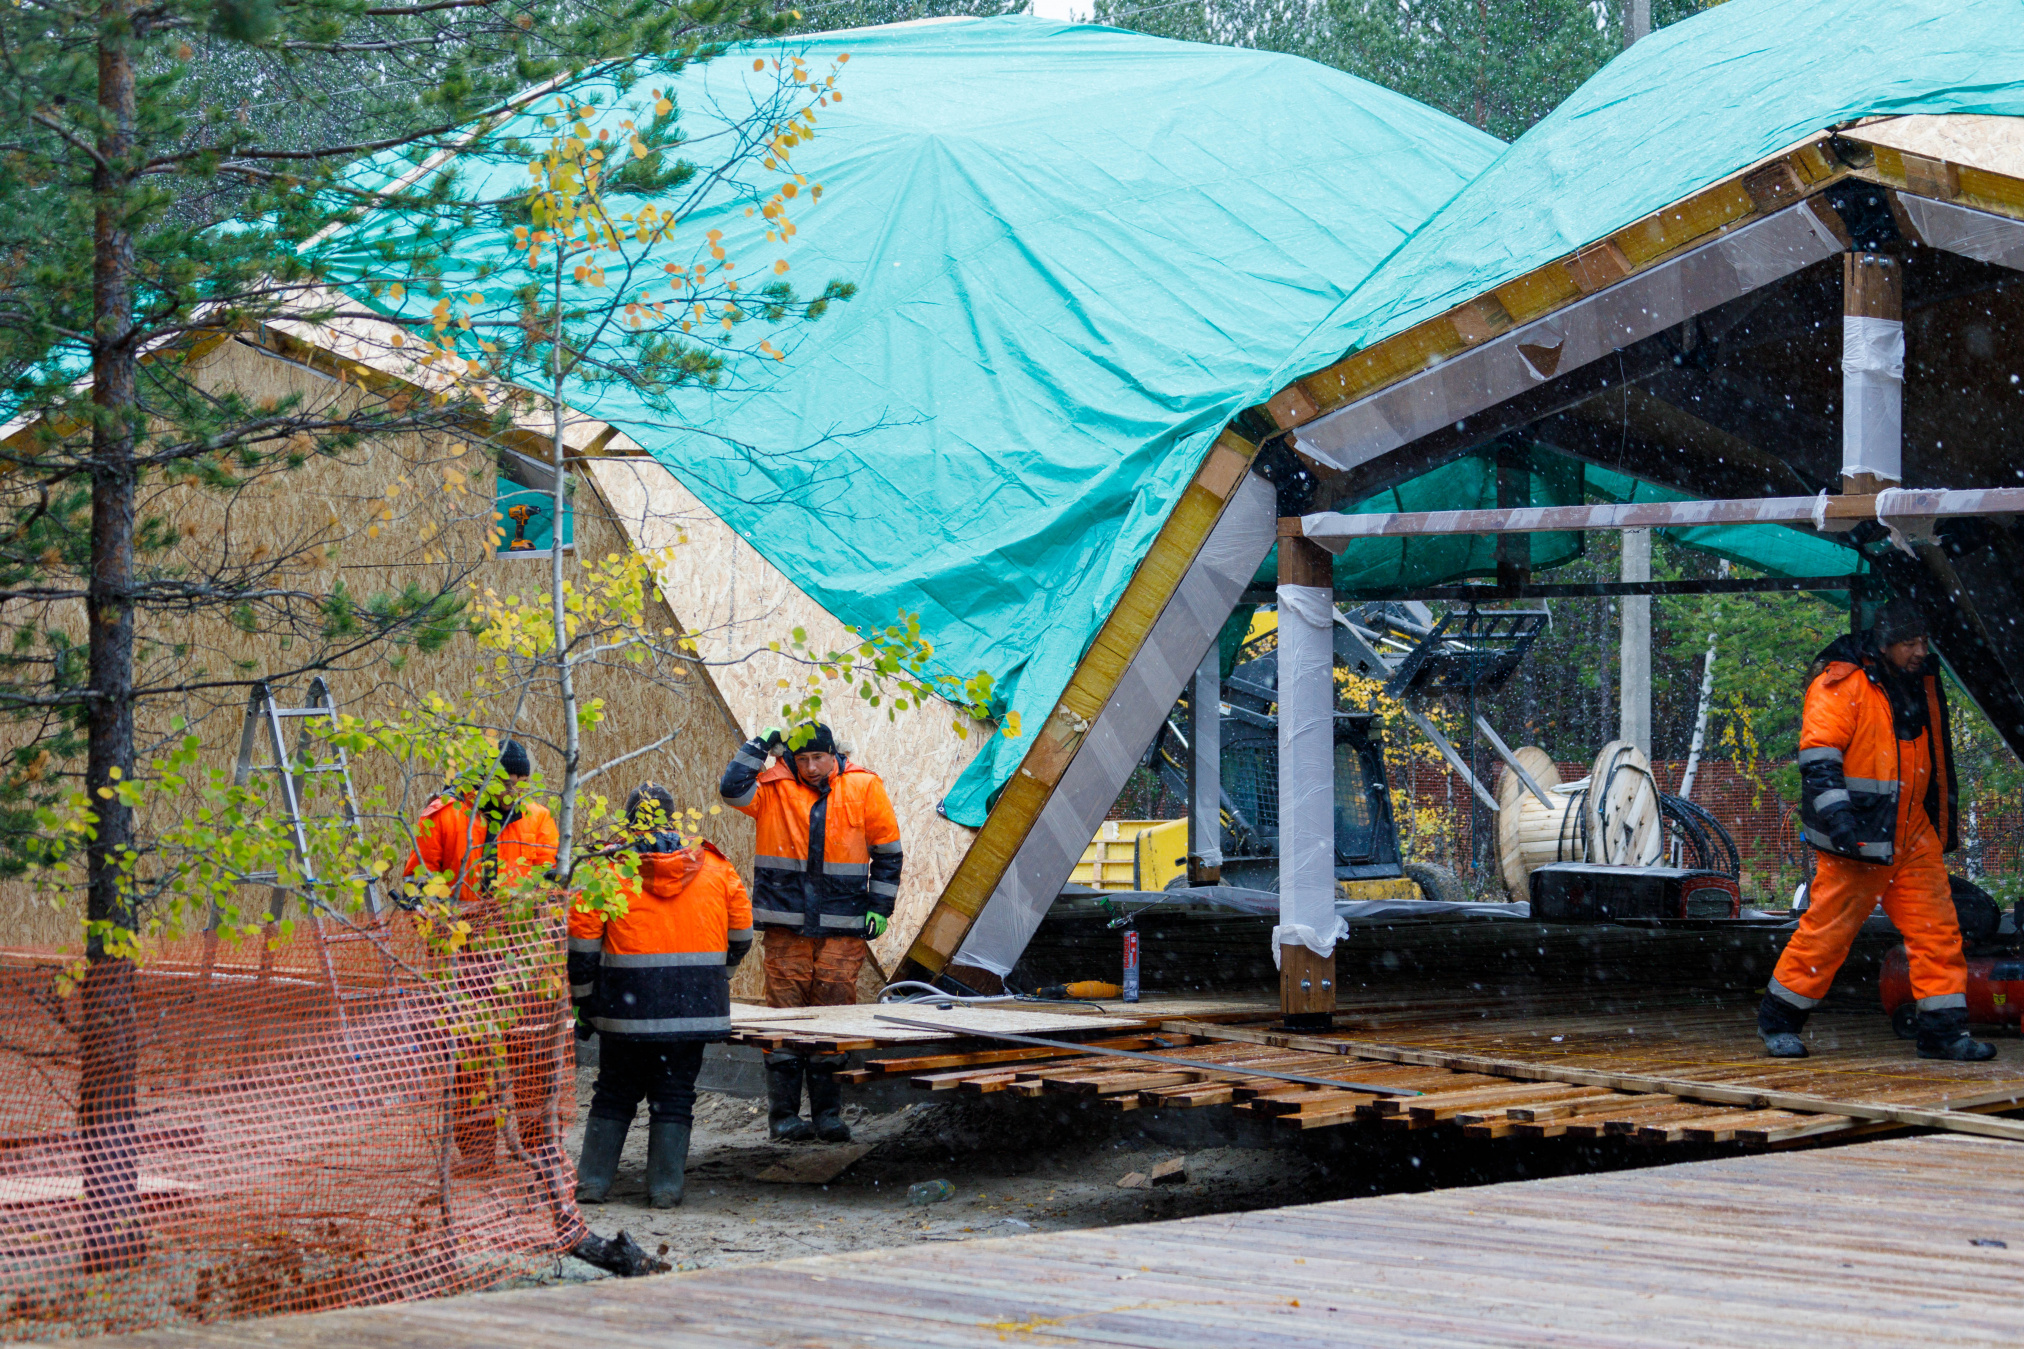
x: 1841, y: 830
x: 773, y: 740
x: 584, y: 1030
x: 874, y: 926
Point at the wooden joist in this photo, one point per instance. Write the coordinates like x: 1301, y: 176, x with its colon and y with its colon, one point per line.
x: 1952, y: 1116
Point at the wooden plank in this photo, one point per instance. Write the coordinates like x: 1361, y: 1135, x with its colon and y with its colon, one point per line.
x: 1590, y: 1125
x: 1719, y: 1127
x: 1780, y: 1251
x: 1550, y: 1110
x: 929, y: 1062
x: 1809, y: 1126
x: 1954, y: 1120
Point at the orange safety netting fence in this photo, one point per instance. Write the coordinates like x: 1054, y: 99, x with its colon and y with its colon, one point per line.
x: 311, y: 1122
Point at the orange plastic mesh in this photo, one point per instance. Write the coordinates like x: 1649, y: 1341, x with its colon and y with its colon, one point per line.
x: 321, y: 1124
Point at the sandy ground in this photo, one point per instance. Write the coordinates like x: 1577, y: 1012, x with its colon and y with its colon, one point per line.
x: 1015, y: 1167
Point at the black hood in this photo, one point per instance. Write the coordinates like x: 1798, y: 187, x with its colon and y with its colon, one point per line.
x: 1905, y: 689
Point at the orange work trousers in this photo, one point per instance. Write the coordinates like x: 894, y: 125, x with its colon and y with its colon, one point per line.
x: 1918, y: 901
x: 803, y: 971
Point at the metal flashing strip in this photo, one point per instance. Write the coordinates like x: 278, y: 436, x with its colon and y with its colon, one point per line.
x: 1647, y: 303
x: 1151, y: 684
x: 1980, y: 235
x: 1333, y: 530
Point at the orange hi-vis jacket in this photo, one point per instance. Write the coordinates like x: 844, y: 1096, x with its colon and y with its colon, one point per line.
x: 452, y: 837
x: 1857, y: 776
x: 824, y: 859
x: 662, y: 971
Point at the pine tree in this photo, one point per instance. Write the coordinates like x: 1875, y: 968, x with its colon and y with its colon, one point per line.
x: 165, y: 167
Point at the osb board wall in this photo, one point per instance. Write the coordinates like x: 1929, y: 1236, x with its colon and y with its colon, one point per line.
x: 1992, y: 143
x: 735, y: 603
x: 336, y: 517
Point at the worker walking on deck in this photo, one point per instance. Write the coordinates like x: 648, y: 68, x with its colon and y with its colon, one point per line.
x: 1878, y: 802
x: 655, y: 985
x: 824, y: 882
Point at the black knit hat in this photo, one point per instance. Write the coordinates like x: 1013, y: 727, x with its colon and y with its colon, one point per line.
x: 1899, y: 621
x: 821, y: 742
x: 513, y: 760
x: 651, y: 803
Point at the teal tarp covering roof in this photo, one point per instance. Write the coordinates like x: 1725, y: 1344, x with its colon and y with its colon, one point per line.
x: 1080, y: 252
x: 1689, y: 105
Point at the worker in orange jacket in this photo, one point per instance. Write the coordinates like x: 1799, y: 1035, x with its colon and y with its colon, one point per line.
x: 480, y: 841
x: 824, y: 882
x: 482, y: 845
x: 655, y: 985
x: 1878, y: 802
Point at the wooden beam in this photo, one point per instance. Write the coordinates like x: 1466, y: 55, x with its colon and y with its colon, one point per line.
x: 1332, y: 528
x: 1485, y: 594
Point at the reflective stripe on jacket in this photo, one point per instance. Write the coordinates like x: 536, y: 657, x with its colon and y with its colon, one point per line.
x: 1853, y: 767
x: 452, y: 838
x: 662, y: 971
x: 824, y: 859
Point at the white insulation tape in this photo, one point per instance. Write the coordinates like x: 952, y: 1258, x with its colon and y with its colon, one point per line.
x: 1872, y: 396
x: 1904, y: 533
x: 1288, y: 934
x: 1307, y: 767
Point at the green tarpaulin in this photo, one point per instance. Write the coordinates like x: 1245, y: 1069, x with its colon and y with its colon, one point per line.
x: 1080, y: 253
x: 1689, y: 105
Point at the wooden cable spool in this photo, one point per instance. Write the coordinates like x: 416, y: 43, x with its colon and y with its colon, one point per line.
x: 1621, y: 808
x: 1529, y: 833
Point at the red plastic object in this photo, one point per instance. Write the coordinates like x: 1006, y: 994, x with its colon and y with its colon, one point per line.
x: 1995, y: 987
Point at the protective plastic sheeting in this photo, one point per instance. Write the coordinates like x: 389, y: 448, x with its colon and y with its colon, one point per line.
x: 1080, y: 252
x: 1306, y: 771
x: 1185, y: 632
x: 1872, y: 396
x: 1688, y: 106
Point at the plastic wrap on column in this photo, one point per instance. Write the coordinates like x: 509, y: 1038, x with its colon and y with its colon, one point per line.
x: 1186, y: 628
x: 1206, y: 749
x: 1306, y: 771
x: 1872, y: 395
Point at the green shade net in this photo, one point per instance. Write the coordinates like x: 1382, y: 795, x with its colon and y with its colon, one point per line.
x: 1080, y: 253
x: 1466, y: 484
x: 1689, y: 105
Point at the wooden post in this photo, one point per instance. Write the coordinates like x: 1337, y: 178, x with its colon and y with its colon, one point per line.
x: 1306, y: 987
x: 1306, y: 864
x: 1872, y: 294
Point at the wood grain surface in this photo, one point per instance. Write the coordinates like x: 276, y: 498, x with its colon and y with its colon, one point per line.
x: 1873, y: 1244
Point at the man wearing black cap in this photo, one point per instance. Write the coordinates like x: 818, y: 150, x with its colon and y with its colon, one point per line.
x: 1878, y: 802
x: 824, y: 881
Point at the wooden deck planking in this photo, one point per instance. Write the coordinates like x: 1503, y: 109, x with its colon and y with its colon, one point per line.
x: 1869, y: 1244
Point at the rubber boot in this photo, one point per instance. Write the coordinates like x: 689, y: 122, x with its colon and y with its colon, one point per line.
x: 783, y: 1099
x: 825, y: 1099
x: 597, y: 1167
x: 1943, y: 1034
x: 667, y: 1155
x: 1778, y: 1026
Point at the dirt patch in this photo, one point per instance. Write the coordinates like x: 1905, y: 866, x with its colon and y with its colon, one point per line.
x: 1014, y: 1166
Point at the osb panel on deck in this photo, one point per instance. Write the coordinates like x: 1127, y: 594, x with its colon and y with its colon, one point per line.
x: 1874, y: 1244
